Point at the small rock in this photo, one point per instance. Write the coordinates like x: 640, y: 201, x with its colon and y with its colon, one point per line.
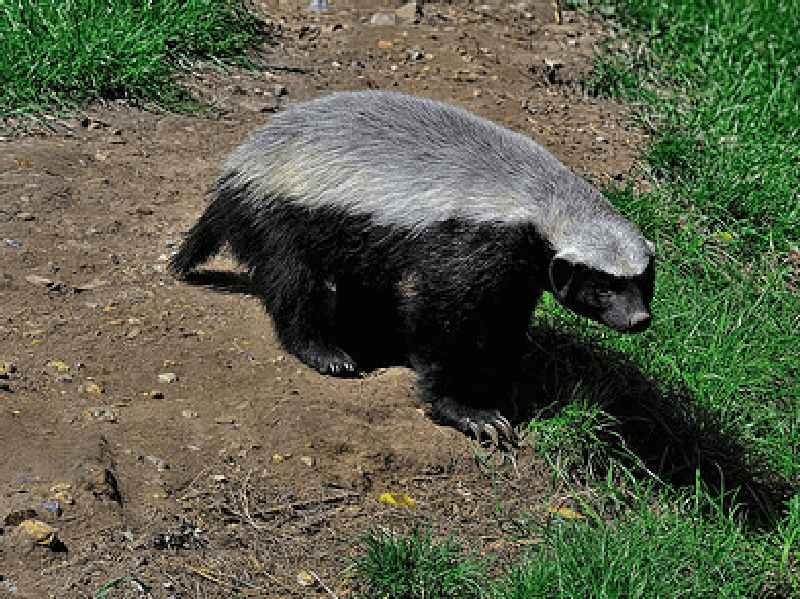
x: 7, y: 369
x: 16, y: 517
x: 37, y: 280
x: 58, y: 366
x: 383, y: 18
x: 40, y: 532
x: 304, y: 579
x: 167, y: 377
x: 409, y: 12
x: 25, y: 216
x: 144, y: 210
x: 93, y: 388
x: 308, y: 461
x: 53, y: 507
x: 64, y: 497
x: 159, y: 463
x: 94, y: 284
x: 100, y: 414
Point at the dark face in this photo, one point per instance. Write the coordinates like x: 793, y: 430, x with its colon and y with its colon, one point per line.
x: 620, y: 303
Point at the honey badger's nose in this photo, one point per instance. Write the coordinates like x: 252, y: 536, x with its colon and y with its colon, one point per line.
x: 639, y: 322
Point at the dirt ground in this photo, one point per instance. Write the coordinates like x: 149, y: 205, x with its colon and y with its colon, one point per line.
x: 157, y: 426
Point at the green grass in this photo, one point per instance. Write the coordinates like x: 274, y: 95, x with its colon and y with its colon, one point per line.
x: 717, y: 84
x: 664, y: 544
x: 58, y: 55
x: 719, y: 87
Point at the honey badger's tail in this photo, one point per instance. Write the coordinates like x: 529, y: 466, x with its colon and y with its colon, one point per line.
x: 204, y: 240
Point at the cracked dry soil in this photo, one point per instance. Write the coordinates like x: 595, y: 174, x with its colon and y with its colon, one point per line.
x: 245, y: 462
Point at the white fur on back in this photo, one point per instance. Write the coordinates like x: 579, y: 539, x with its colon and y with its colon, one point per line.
x: 410, y: 162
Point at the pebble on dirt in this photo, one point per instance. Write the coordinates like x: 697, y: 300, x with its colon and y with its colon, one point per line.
x: 167, y: 377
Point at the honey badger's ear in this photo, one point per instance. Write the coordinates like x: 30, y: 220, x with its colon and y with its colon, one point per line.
x: 562, y: 271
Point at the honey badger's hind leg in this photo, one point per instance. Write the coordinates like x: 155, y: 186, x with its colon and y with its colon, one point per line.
x: 303, y: 310
x: 436, y: 385
x: 478, y: 422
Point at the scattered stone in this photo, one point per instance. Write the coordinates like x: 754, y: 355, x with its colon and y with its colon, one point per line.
x: 37, y: 280
x: 16, y: 517
x: 383, y: 18
x: 409, y: 12
x: 12, y: 243
x: 53, y: 507
x: 304, y: 579
x: 100, y: 415
x: 58, y: 366
x: 94, y: 284
x: 307, y: 460
x: 167, y: 377
x: 92, y: 388
x: 25, y: 216
x: 146, y: 210
x: 40, y: 532
x: 159, y: 463
x: 63, y: 495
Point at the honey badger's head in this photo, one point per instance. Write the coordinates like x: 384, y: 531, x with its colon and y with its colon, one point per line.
x: 621, y: 303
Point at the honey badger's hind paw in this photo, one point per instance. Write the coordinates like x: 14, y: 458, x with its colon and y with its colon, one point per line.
x: 328, y: 359
x: 480, y: 423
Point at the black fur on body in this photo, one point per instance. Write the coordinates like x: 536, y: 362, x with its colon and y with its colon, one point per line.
x: 438, y: 226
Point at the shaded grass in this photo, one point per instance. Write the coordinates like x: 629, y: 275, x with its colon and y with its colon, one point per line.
x: 717, y: 84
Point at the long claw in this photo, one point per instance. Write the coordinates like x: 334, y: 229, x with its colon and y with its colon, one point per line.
x: 492, y: 432
x: 475, y: 430
x: 504, y: 427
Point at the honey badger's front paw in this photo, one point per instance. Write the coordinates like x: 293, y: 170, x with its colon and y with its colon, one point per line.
x: 478, y: 422
x: 327, y: 359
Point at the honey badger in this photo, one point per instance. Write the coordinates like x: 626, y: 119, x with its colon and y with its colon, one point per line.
x: 454, y: 224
